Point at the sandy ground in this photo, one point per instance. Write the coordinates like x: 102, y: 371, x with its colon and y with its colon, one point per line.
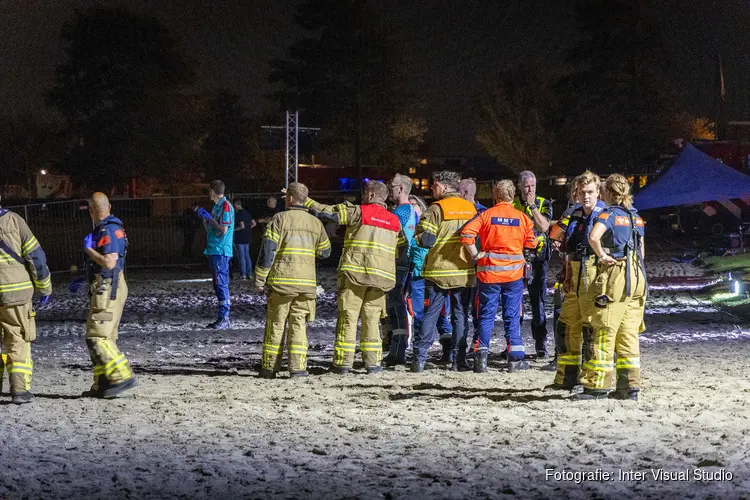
x: 200, y: 425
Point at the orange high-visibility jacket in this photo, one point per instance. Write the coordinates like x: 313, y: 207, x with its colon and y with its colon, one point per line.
x: 504, y: 232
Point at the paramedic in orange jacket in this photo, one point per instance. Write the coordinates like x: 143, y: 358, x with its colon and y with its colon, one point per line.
x: 504, y: 233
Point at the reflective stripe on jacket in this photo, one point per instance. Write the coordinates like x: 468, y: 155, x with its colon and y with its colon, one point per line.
x: 17, y: 280
x: 504, y: 232
x: 448, y: 263
x: 291, y: 242
x: 373, y: 242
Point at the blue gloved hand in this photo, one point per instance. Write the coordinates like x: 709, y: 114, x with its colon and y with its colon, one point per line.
x: 203, y: 213
x: 88, y: 241
x: 44, y: 300
x: 76, y: 285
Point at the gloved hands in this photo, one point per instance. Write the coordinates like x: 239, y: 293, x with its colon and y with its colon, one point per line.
x: 203, y: 213
x: 88, y: 241
x: 76, y: 285
x: 42, y: 301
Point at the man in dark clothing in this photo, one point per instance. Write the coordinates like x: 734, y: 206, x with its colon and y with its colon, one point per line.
x: 243, y: 225
x: 188, y: 223
x: 272, y: 204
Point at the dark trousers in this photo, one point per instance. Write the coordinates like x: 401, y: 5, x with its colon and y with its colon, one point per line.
x: 425, y: 336
x: 510, y: 295
x: 537, y: 286
x: 396, y: 306
x: 220, y: 267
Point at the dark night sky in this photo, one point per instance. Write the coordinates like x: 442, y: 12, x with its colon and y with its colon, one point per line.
x: 452, y: 49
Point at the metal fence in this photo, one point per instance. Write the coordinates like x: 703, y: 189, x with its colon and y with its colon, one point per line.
x: 162, y: 231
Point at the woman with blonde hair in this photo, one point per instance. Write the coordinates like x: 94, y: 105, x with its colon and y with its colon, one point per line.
x: 620, y: 297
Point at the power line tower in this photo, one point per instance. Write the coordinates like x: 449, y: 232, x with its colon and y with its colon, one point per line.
x: 292, y: 129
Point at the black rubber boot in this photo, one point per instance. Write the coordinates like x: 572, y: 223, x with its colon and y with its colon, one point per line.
x: 587, y: 395
x: 101, y: 385
x: 517, y: 366
x: 397, y: 354
x: 417, y: 366
x: 299, y: 374
x: 459, y: 362
x: 267, y: 374
x: 625, y: 394
x: 116, y: 390
x: 20, y: 398
x: 446, y: 344
x: 339, y: 370
x: 480, y: 361
x: 372, y: 370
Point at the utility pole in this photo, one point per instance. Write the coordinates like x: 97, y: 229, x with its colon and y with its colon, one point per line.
x: 292, y: 128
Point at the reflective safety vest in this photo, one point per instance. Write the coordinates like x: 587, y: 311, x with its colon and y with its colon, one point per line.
x: 448, y: 263
x: 372, y: 243
x: 504, y: 232
x: 543, y: 247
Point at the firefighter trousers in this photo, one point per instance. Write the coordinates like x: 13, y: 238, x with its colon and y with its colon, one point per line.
x: 573, y: 325
x: 615, y: 331
x: 355, y: 302
x: 18, y: 329
x: 101, y: 333
x: 294, y: 311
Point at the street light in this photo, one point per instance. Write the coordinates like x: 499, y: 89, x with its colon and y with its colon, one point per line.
x: 43, y: 171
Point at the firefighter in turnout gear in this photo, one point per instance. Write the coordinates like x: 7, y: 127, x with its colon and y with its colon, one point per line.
x: 286, y: 265
x: 105, y: 249
x: 23, y: 268
x: 373, y: 244
x: 504, y: 233
x: 448, y: 268
x: 539, y: 210
x: 580, y: 271
x: 619, y: 291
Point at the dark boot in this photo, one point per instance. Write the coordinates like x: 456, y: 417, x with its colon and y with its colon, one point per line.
x: 480, y: 361
x: 459, y: 361
x: 97, y: 391
x: 446, y: 344
x: 339, y: 370
x: 397, y: 354
x: 625, y: 394
x: 116, y: 390
x: 588, y: 395
x: 417, y: 366
x: 372, y: 370
x: 516, y: 366
x: 20, y: 398
x: 299, y: 374
x: 222, y: 324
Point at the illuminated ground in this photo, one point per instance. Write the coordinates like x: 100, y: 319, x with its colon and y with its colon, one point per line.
x: 200, y: 425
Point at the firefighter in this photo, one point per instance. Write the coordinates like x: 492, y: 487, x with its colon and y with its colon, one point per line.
x: 373, y: 244
x: 539, y: 211
x: 400, y: 187
x: 504, y: 232
x: 23, y: 269
x: 619, y: 291
x: 577, y: 307
x: 557, y: 239
x: 105, y: 249
x: 219, y: 226
x: 448, y: 268
x: 286, y: 264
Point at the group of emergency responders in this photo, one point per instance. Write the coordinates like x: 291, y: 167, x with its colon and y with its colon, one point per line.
x: 428, y: 270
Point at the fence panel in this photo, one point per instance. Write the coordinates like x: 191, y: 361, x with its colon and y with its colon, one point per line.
x: 162, y: 231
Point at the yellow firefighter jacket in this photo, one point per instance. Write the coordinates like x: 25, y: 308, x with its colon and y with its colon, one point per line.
x: 448, y: 263
x: 23, y: 265
x: 374, y: 241
x: 291, y: 242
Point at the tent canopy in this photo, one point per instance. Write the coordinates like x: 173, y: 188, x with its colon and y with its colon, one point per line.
x: 694, y: 177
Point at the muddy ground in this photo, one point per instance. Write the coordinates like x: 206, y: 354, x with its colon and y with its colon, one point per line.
x: 200, y: 425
